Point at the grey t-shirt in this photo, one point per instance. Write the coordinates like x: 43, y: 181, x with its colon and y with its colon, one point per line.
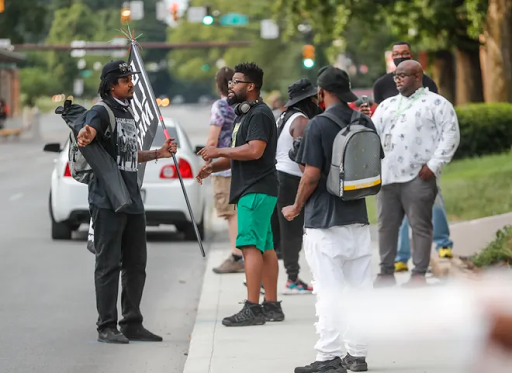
x: 324, y: 210
x: 122, y: 146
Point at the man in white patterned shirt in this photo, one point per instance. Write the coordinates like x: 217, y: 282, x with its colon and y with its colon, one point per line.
x: 419, y: 132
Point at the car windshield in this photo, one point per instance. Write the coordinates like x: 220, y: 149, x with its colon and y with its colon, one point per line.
x: 160, y: 136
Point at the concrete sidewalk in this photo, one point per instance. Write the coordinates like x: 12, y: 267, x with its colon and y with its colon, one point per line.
x: 280, y: 347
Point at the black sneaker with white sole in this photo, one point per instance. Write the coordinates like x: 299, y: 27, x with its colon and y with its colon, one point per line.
x: 273, y: 311
x: 329, y: 366
x: 355, y: 364
x: 251, y: 314
x: 112, y: 335
x: 139, y: 333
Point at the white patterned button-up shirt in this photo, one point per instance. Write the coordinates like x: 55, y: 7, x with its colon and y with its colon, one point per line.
x: 416, y: 130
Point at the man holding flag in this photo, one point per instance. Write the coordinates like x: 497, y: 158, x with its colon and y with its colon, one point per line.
x: 119, y: 237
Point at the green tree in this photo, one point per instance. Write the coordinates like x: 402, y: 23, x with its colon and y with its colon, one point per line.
x: 74, y: 23
x: 22, y: 21
x: 433, y: 25
x: 281, y: 60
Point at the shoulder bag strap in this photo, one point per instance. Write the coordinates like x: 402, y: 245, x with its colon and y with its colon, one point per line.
x: 111, y: 116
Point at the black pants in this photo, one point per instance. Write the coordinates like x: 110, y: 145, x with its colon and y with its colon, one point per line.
x: 120, y: 242
x: 290, y: 232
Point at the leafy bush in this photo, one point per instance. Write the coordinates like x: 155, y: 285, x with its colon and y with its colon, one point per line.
x: 484, y: 129
x: 498, y: 251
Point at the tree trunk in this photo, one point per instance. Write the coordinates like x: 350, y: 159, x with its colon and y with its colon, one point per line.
x: 498, y: 51
x: 468, y: 76
x: 444, y: 74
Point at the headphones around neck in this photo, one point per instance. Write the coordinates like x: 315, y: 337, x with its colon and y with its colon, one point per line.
x: 244, y: 107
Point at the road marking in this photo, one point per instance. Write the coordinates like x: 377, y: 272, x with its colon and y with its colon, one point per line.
x: 16, y: 197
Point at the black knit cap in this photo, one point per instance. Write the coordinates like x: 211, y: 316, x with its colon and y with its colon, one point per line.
x: 336, y: 81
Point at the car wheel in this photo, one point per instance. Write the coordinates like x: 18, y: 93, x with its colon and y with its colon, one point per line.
x: 190, y: 232
x: 60, y: 231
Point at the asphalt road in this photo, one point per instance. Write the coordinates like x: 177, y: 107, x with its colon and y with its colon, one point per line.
x: 47, y: 303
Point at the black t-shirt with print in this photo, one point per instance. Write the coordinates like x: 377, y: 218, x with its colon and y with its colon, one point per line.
x: 324, y: 210
x: 123, y: 148
x: 259, y: 175
x: 385, y: 87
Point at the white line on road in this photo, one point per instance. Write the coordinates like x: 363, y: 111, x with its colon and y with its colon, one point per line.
x: 16, y: 197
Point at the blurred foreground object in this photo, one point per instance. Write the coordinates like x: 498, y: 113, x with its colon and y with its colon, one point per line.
x: 473, y: 315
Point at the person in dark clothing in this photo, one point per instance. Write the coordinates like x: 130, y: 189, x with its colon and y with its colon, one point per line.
x: 337, y: 241
x: 119, y: 237
x: 254, y: 189
x: 385, y: 86
x: 301, y: 107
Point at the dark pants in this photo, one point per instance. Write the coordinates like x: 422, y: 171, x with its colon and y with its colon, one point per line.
x: 290, y: 232
x: 415, y: 200
x: 120, y: 242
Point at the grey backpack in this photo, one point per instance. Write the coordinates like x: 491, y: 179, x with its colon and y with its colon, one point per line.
x: 80, y: 170
x: 355, y: 170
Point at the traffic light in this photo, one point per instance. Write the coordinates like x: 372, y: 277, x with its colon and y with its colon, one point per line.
x: 2, y: 6
x: 174, y: 11
x: 125, y: 15
x: 308, y: 56
x: 208, y: 18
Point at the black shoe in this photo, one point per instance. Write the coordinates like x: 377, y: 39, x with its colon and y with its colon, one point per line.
x: 273, y: 311
x: 111, y: 335
x: 139, y: 333
x: 331, y: 366
x: 355, y: 364
x: 251, y: 314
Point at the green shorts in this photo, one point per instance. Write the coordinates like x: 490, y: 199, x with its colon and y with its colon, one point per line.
x: 254, y: 215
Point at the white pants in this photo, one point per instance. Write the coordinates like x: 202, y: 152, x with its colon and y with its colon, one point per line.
x: 340, y: 261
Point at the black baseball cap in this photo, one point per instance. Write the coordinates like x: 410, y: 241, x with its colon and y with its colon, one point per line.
x: 300, y: 90
x: 336, y: 81
x: 118, y: 69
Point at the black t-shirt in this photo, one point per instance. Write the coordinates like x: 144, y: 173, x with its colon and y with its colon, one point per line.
x: 324, y: 210
x: 259, y: 175
x: 122, y: 146
x: 385, y: 87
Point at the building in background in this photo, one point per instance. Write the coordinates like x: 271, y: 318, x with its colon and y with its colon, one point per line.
x: 9, y: 80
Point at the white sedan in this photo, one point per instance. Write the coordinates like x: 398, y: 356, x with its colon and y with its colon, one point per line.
x: 161, y: 191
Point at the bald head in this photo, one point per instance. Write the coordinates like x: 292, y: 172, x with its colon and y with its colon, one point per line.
x: 408, y: 77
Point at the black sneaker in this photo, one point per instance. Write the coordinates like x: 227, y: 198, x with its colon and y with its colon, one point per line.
x: 111, y: 335
x: 331, y: 366
x: 273, y: 311
x: 139, y: 333
x: 355, y: 364
x: 251, y: 314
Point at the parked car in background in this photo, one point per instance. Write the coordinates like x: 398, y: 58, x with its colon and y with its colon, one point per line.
x: 161, y: 191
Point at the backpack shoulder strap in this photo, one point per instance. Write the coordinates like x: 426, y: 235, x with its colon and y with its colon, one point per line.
x: 355, y: 119
x: 111, y: 116
x: 335, y: 119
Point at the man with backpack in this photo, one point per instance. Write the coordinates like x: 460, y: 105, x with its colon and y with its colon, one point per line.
x: 337, y: 239
x: 119, y: 237
x: 301, y: 107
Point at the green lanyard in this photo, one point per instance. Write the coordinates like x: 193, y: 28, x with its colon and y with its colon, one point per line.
x: 400, y: 112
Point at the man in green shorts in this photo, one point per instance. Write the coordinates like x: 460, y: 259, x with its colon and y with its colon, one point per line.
x: 254, y: 189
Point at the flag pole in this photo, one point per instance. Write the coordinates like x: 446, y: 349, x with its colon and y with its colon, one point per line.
x: 135, y: 50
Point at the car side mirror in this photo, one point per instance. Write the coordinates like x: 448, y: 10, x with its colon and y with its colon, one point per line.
x: 52, y: 147
x: 199, y: 147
